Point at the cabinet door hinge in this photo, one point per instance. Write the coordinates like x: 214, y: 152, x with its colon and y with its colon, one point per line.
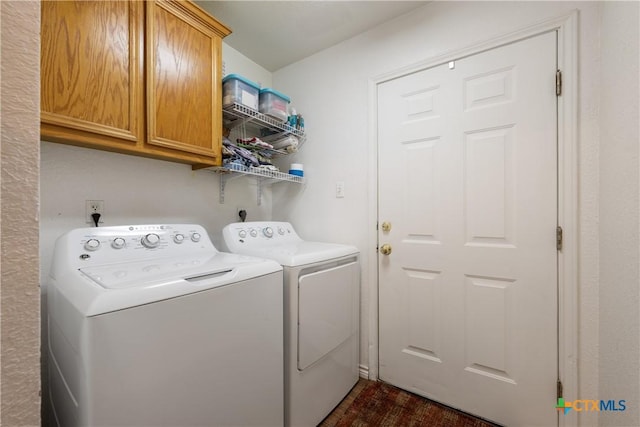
x: 559, y: 390
x: 558, y: 83
x: 559, y: 238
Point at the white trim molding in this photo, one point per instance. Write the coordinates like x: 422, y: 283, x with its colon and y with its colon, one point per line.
x: 363, y: 372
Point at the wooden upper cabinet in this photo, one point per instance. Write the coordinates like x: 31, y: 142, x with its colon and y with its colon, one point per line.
x: 183, y: 80
x: 91, y: 70
x: 134, y: 77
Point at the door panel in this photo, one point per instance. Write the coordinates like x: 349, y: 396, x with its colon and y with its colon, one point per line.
x: 91, y: 69
x: 183, y: 85
x: 325, y: 312
x: 467, y: 178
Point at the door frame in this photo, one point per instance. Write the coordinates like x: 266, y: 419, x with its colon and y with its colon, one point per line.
x: 567, y: 45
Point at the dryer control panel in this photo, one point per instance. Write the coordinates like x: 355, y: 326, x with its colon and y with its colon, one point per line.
x: 279, y: 241
x: 259, y: 234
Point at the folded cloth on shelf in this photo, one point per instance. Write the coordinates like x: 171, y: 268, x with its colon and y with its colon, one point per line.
x: 269, y: 168
x: 226, y: 152
x: 242, y: 153
x: 289, y: 144
x: 264, y: 160
x: 234, y: 163
x: 255, y: 142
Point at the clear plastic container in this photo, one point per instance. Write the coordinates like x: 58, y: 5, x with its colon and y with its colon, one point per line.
x: 239, y: 90
x: 274, y: 104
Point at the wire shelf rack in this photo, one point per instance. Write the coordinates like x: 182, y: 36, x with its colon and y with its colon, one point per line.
x: 239, y: 115
x: 263, y: 176
x: 244, y: 121
x: 258, y: 172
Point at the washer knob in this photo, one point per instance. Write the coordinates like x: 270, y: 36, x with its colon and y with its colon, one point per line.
x: 151, y: 240
x: 118, y: 243
x: 242, y: 234
x: 268, y: 232
x: 281, y: 231
x: 195, y: 237
x: 92, y: 244
x: 253, y: 233
x: 178, y: 238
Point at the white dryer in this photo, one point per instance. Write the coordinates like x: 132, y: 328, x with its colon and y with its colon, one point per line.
x: 321, y: 317
x: 149, y: 325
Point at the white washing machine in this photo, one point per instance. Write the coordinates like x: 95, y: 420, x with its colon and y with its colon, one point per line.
x: 149, y: 325
x: 321, y: 317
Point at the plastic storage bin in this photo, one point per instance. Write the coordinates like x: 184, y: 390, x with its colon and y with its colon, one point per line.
x: 237, y: 89
x: 274, y: 104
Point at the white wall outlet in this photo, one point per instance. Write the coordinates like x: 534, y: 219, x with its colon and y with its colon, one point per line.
x: 339, y: 189
x: 94, y: 206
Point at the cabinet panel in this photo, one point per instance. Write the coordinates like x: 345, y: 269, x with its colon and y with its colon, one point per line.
x: 91, y: 68
x: 141, y: 78
x: 183, y: 79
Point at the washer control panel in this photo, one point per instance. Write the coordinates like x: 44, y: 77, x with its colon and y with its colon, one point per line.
x: 133, y: 242
x: 259, y: 234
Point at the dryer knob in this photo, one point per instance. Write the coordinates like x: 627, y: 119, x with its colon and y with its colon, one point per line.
x: 92, y: 244
x: 178, y: 238
x: 281, y: 231
x: 195, y: 237
x: 253, y: 233
x: 118, y: 243
x: 268, y: 232
x: 242, y: 234
x: 151, y: 240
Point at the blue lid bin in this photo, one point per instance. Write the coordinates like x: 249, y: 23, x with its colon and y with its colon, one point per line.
x: 240, y: 90
x: 274, y: 104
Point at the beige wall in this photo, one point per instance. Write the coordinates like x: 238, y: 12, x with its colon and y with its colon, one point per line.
x: 19, y: 152
x: 619, y: 352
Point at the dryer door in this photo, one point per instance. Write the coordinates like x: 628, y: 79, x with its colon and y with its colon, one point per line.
x: 327, y: 311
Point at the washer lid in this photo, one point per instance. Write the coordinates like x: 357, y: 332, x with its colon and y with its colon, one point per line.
x: 104, y: 289
x: 156, y: 271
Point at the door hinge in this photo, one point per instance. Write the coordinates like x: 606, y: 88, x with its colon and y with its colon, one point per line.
x: 559, y: 238
x: 559, y: 390
x: 558, y: 83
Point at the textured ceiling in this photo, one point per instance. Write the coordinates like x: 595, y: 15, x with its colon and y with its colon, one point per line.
x: 275, y: 34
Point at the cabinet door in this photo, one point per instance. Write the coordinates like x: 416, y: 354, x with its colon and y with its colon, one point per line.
x: 184, y: 78
x: 91, y: 73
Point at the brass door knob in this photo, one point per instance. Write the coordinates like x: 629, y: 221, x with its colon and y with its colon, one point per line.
x: 385, y: 249
x: 386, y: 226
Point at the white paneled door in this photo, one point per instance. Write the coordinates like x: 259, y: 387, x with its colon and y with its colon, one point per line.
x: 468, y: 209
